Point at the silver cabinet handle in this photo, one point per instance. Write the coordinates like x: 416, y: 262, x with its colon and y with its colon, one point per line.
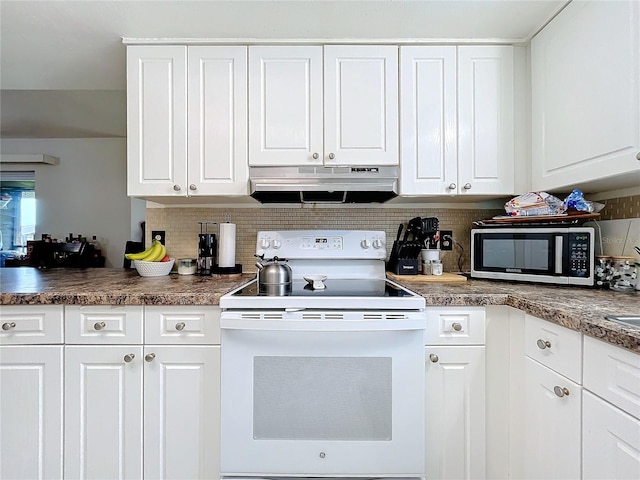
x: 129, y: 357
x: 149, y: 357
x: 467, y: 186
x: 434, y: 358
x: 192, y: 187
x: 560, y: 391
x: 99, y: 325
x: 542, y: 344
x: 180, y: 326
x: 452, y: 186
x: 8, y: 325
x: 315, y: 156
x: 177, y: 188
x: 456, y: 326
x: 331, y: 156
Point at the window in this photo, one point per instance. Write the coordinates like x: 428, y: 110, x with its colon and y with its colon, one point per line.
x: 17, y: 210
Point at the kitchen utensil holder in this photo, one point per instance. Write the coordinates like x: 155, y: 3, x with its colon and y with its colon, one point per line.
x: 404, y: 258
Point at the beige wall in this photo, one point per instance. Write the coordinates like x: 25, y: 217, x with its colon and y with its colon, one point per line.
x: 181, y: 225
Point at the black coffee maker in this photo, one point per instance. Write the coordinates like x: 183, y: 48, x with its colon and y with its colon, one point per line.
x: 207, y: 248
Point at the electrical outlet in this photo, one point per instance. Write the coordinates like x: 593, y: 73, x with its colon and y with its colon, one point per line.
x: 159, y: 235
x: 446, y: 239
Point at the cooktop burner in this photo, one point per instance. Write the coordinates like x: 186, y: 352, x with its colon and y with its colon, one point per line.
x: 333, y: 288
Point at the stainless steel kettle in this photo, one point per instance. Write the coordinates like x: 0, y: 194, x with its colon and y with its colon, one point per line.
x: 274, y: 276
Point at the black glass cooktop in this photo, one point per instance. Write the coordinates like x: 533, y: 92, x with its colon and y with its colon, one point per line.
x: 334, y: 288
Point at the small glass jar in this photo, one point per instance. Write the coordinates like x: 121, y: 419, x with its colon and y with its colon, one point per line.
x: 426, y: 268
x: 624, y: 277
x: 436, y: 267
x: 187, y: 266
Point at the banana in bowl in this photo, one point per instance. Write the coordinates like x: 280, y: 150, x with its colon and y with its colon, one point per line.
x: 153, y: 269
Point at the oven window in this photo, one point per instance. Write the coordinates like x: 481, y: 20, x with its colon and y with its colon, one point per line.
x: 322, y: 398
x: 523, y: 253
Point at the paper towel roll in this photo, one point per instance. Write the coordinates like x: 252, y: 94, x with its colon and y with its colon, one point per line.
x: 227, y: 245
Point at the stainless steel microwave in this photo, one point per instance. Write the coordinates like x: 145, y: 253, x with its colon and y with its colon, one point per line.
x: 559, y: 255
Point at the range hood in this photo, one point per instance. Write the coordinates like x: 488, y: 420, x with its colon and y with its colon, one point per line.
x: 375, y: 184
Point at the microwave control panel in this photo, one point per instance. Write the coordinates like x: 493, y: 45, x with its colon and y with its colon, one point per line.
x: 580, y: 255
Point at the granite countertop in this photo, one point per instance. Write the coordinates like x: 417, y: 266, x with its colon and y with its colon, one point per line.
x: 577, y: 308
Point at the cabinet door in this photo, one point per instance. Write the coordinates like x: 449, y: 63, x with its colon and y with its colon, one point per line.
x: 551, y: 424
x: 156, y: 120
x: 31, y: 412
x: 485, y: 120
x: 610, y: 441
x: 182, y: 412
x: 285, y: 105
x: 361, y: 105
x: 217, y: 98
x: 103, y: 412
x: 585, y: 67
x: 455, y: 412
x: 429, y: 153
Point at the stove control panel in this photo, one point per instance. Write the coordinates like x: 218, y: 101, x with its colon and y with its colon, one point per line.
x: 311, y: 244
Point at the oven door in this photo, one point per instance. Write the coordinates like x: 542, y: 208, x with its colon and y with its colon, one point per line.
x: 313, y: 398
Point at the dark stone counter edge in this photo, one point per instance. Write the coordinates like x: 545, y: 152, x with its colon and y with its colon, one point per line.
x: 628, y: 338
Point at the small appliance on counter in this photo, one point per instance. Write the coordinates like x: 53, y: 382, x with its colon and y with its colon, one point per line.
x: 217, y: 253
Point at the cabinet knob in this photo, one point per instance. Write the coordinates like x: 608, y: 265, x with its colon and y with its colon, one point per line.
x: 467, y: 186
x: 456, y: 326
x: 315, y: 156
x: 192, y: 187
x: 149, y: 357
x: 129, y: 357
x: 560, y: 391
x: 99, y: 325
x: 8, y: 325
x: 331, y: 156
x: 542, y: 344
x: 638, y: 156
x: 452, y: 186
x: 180, y: 326
x: 176, y: 188
x: 434, y: 358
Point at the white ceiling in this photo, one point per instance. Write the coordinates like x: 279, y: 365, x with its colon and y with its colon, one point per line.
x: 53, y: 52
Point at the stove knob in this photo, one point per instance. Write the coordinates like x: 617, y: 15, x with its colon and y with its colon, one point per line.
x: 276, y: 244
x: 365, y: 244
x: 265, y: 243
x: 377, y: 243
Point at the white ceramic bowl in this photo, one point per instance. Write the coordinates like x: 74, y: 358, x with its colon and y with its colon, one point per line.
x: 153, y: 269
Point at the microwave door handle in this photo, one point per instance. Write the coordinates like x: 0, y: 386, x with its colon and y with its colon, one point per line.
x: 558, y: 250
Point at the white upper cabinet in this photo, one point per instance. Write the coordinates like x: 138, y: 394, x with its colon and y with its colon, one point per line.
x: 457, y: 113
x: 285, y: 105
x: 331, y: 106
x: 186, y: 120
x: 585, y: 70
x: 156, y: 120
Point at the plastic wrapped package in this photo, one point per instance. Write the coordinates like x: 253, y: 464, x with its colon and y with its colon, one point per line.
x: 575, y: 201
x: 534, y: 204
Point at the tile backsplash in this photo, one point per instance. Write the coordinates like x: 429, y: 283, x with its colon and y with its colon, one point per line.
x: 182, y: 228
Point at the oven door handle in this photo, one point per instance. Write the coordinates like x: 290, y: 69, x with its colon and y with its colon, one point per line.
x: 298, y: 325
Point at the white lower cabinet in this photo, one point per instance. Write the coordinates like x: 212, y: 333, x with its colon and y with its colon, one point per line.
x: 31, y: 412
x: 142, y: 411
x: 181, y: 412
x: 610, y: 441
x: 552, y: 424
x: 455, y: 394
x: 103, y: 411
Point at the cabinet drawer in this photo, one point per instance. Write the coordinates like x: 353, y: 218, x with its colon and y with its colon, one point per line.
x: 455, y: 326
x: 613, y: 373
x: 31, y: 324
x: 555, y: 346
x: 103, y: 324
x: 182, y: 325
